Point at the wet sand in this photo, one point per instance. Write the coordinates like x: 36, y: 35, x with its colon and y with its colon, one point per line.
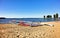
x: 17, y: 31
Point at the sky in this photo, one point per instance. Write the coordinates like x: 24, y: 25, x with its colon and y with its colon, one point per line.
x: 28, y: 8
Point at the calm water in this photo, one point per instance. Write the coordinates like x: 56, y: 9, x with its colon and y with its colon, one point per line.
x: 25, y: 19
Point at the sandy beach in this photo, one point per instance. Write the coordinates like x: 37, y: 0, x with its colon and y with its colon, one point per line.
x: 17, y: 31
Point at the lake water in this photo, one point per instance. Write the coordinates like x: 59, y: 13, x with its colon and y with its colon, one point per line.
x: 26, y: 19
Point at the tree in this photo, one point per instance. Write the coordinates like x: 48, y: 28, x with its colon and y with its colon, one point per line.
x: 44, y: 17
x: 49, y: 16
x: 54, y: 16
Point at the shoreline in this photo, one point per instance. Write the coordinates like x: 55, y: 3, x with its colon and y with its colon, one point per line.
x: 44, y: 31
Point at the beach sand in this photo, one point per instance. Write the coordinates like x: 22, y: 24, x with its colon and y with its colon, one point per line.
x: 17, y: 31
x: 56, y: 28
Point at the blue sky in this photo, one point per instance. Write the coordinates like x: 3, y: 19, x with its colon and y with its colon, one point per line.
x: 28, y: 8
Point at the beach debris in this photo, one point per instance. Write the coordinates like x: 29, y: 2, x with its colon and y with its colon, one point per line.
x: 27, y: 23
x: 47, y: 24
x: 18, y: 35
x: 51, y: 25
x: 24, y: 23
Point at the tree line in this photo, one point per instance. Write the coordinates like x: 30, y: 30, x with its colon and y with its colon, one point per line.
x: 55, y: 16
